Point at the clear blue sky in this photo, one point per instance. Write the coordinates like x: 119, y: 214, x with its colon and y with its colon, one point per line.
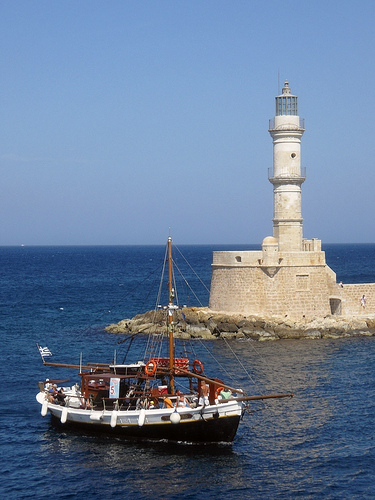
x: 120, y: 119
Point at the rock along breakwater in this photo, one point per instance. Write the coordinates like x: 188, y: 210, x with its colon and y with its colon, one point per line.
x: 201, y: 322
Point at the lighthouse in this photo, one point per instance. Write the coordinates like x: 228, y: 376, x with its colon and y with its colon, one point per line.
x: 287, y: 176
x: 288, y: 277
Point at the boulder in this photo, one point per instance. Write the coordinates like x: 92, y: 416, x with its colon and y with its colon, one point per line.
x: 228, y: 335
x: 311, y: 334
x: 264, y: 336
x: 198, y: 331
x: 227, y: 328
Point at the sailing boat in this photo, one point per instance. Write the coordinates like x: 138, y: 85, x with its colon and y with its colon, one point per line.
x: 142, y: 400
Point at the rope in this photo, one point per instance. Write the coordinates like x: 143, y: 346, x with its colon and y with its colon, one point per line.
x: 187, y: 283
x: 222, y: 367
x: 239, y: 361
x: 178, y: 250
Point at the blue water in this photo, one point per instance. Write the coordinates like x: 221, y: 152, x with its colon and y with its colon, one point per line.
x: 320, y: 444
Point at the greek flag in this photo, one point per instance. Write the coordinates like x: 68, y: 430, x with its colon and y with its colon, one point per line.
x: 44, y: 352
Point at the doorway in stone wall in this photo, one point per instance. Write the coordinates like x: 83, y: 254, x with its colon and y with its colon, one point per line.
x: 335, y: 305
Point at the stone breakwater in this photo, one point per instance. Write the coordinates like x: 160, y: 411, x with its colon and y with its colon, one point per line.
x: 194, y: 322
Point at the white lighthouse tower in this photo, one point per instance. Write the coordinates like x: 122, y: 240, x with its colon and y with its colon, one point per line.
x: 289, y: 276
x: 286, y: 176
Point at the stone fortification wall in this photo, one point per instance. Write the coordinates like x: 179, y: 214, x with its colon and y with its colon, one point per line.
x: 298, y: 285
x: 243, y: 258
x: 255, y: 258
x: 351, y: 299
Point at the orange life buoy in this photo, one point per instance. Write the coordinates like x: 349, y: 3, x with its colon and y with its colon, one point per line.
x: 218, y: 391
x: 197, y: 366
x: 150, y: 367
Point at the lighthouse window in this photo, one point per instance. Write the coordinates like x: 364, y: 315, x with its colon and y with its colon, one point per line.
x: 294, y: 106
x: 279, y: 109
x: 293, y: 155
x: 286, y: 105
x: 289, y: 105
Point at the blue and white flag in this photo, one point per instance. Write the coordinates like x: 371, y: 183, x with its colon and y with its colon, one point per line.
x: 44, y: 352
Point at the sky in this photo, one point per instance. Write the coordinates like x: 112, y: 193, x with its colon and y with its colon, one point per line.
x: 123, y: 120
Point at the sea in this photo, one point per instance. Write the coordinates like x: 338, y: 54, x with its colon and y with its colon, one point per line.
x: 319, y: 444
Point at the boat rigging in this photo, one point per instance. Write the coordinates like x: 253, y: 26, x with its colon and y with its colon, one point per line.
x: 140, y: 400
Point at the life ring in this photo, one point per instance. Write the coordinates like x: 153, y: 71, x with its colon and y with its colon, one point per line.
x: 218, y: 391
x: 197, y: 366
x: 150, y: 367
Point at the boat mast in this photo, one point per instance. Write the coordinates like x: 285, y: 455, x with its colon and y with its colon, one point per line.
x: 171, y: 308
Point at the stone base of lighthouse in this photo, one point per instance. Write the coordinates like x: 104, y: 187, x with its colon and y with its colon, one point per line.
x: 289, y: 284
x: 289, y: 277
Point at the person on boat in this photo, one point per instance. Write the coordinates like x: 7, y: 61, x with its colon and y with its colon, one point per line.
x: 154, y: 403
x: 52, y: 394
x: 205, y: 390
x: 60, y: 397
x: 182, y: 402
x: 194, y: 401
x: 225, y: 393
x: 167, y: 403
x: 85, y: 404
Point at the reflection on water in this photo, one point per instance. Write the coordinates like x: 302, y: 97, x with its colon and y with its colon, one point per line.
x: 181, y: 468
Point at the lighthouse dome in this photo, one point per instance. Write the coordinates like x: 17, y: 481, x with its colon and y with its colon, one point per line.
x: 269, y: 240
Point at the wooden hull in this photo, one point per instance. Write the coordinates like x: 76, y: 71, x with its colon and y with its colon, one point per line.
x: 212, y: 423
x: 202, y: 431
